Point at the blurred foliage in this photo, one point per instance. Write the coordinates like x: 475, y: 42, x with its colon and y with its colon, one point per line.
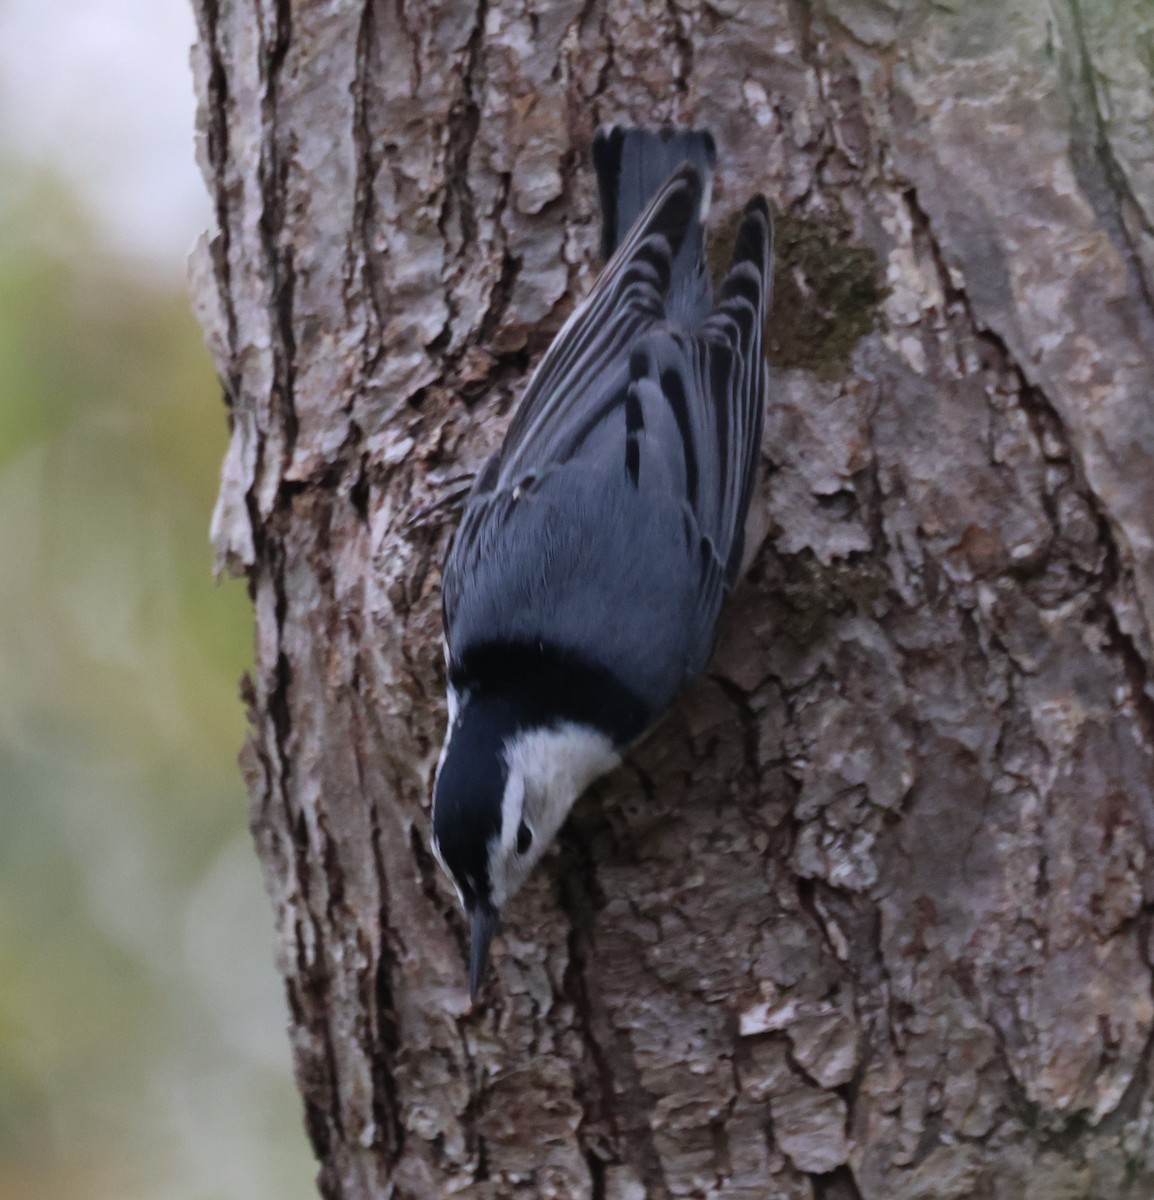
x: 142, y: 1046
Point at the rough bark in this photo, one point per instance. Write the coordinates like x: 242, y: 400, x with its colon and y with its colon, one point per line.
x: 871, y: 914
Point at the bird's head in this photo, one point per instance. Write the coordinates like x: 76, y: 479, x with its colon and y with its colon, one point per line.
x: 502, y: 792
x: 482, y: 833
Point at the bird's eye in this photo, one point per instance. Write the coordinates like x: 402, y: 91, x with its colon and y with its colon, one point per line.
x: 524, y: 838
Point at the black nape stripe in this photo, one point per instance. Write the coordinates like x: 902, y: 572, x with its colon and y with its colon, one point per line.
x: 543, y: 685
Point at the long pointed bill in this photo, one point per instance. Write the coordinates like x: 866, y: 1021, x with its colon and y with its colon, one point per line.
x: 485, y: 924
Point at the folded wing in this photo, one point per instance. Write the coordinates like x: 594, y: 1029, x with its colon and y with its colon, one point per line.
x: 668, y: 418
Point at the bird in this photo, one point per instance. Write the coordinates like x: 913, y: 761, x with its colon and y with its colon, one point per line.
x: 582, y: 589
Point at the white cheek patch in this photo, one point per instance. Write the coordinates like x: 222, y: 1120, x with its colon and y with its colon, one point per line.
x: 569, y: 751
x: 548, y: 771
x: 512, y: 809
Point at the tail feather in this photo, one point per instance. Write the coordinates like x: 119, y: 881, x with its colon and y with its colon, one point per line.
x: 754, y: 245
x: 743, y: 303
x: 631, y: 165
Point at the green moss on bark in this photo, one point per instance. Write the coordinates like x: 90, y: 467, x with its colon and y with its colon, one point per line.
x: 807, y: 597
x: 825, y: 292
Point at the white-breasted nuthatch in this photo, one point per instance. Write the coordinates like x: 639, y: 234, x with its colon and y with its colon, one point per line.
x: 583, y: 587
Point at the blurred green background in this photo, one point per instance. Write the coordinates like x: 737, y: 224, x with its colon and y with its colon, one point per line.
x: 142, y: 1046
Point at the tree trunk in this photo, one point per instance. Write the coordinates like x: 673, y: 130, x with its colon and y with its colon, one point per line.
x: 870, y: 915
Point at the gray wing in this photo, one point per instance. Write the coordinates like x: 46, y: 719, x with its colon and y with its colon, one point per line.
x: 712, y: 382
x: 578, y: 380
x: 610, y: 522
x: 579, y: 563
